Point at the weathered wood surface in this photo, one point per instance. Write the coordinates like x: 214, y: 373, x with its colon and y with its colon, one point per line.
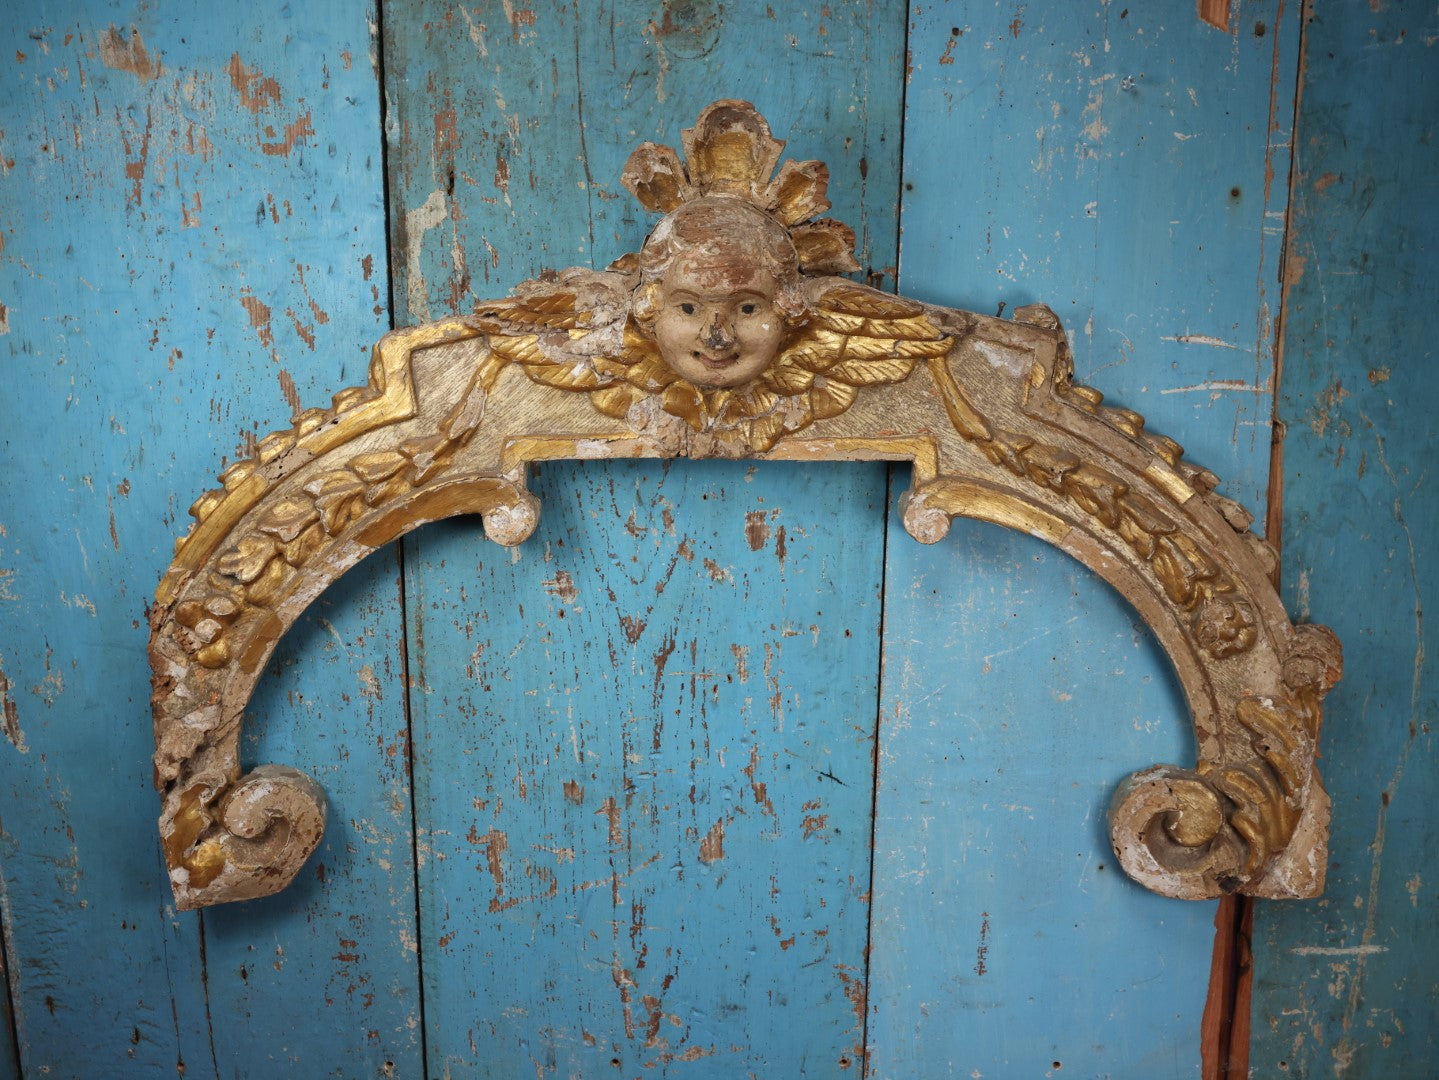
x: 85, y: 910
x: 193, y: 245
x: 654, y: 853
x: 1115, y: 163
x: 1348, y: 986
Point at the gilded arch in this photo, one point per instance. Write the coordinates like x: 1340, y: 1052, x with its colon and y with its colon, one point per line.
x: 658, y: 357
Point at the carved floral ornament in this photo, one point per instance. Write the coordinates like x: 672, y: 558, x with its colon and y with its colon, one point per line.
x: 726, y: 336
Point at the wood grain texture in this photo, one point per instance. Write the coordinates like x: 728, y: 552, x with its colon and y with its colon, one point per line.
x: 193, y: 245
x: 654, y: 851
x: 1346, y: 986
x: 1115, y: 164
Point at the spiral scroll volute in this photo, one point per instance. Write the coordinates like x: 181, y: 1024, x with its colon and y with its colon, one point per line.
x: 242, y: 840
x: 1170, y: 829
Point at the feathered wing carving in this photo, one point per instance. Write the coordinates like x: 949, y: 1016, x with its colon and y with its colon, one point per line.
x: 575, y: 332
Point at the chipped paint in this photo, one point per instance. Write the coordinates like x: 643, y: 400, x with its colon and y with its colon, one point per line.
x: 257, y: 92
x: 419, y: 221
x: 712, y: 846
x: 756, y: 529
x: 10, y: 721
x: 259, y: 315
x: 123, y: 53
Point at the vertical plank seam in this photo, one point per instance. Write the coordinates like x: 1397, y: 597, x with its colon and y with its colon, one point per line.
x: 9, y: 975
x: 167, y: 913
x: 1274, y: 507
x: 1241, y: 1025
x: 406, y: 685
x: 205, y: 993
x: 889, y: 484
x: 584, y: 149
x: 1228, y: 1056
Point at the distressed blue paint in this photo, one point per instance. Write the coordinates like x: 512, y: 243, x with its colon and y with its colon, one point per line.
x: 643, y: 763
x: 1348, y: 986
x: 177, y: 266
x: 1006, y: 938
x: 1086, y: 156
x: 1082, y: 155
x: 530, y: 122
x: 751, y: 964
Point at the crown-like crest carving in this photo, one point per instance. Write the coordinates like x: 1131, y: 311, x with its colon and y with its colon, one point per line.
x: 730, y: 151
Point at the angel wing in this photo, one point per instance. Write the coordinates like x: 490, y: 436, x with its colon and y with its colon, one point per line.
x: 855, y: 337
x: 566, y: 330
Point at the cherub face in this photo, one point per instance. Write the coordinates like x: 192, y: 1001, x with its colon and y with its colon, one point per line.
x: 718, y: 326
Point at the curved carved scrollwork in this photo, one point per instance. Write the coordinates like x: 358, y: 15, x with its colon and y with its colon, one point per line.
x: 724, y: 337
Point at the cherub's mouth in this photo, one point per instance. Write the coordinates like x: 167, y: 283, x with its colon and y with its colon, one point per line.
x: 715, y: 363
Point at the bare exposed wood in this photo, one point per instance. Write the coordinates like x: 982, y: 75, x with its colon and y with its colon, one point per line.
x: 1215, y: 13
x: 722, y: 338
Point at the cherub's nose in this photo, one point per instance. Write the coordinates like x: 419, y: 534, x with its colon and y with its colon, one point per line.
x: 719, y: 334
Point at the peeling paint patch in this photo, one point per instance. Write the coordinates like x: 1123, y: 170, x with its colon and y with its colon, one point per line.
x: 302, y: 128
x: 813, y: 823
x: 291, y: 392
x: 10, y: 722
x: 1214, y: 385
x: 370, y: 685
x: 712, y: 846
x: 856, y: 990
x: 128, y: 54
x: 562, y: 586
x: 256, y: 91
x: 259, y: 313
x: 717, y: 572
x: 1345, y: 950
x: 756, y: 529
x: 418, y: 222
x: 1202, y: 339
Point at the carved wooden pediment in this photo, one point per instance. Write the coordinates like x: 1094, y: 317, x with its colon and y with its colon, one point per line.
x: 727, y: 337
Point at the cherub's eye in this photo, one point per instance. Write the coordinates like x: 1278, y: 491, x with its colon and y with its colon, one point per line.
x: 688, y: 309
x: 748, y: 309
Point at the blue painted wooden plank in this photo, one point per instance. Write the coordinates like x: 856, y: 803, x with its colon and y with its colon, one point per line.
x: 649, y: 683
x: 9, y: 1042
x: 1348, y: 985
x: 648, y: 795
x: 1111, y: 162
x: 194, y: 247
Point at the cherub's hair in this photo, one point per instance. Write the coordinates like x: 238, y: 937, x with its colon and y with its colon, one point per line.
x: 720, y: 228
